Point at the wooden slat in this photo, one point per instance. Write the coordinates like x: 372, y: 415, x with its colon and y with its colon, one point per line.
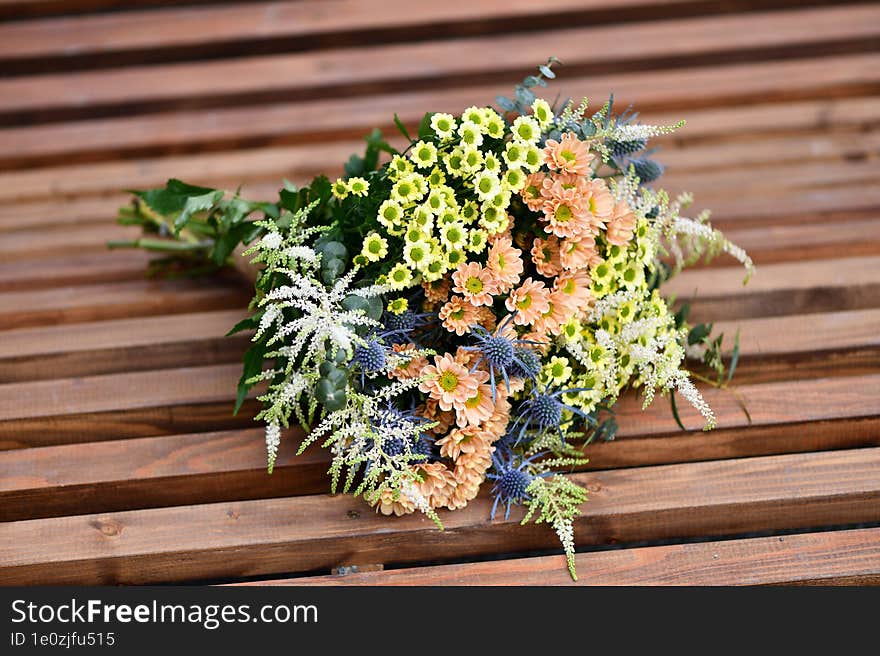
x: 121, y: 345
x: 830, y: 558
x: 74, y: 269
x: 779, y: 289
x: 27, y: 244
x: 307, y: 533
x: 286, y: 123
x: 785, y: 243
x: 152, y: 472
x: 301, y: 25
x: 226, y: 83
x: 117, y: 300
x: 45, y: 477
x: 361, y: 19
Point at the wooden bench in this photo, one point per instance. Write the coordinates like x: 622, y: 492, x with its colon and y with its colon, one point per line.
x: 120, y: 460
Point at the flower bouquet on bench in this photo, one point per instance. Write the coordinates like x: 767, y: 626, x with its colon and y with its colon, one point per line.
x: 464, y: 315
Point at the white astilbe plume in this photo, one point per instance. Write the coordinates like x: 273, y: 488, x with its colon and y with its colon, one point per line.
x: 686, y: 388
x: 273, y: 440
x: 633, y: 132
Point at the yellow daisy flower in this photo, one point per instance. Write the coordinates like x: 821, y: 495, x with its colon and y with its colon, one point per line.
x: 454, y: 162
x: 472, y: 161
x: 390, y: 215
x: 513, y: 180
x: 515, y: 154
x: 542, y: 112
x: 469, y: 212
x: 492, y: 163
x: 423, y: 154
x: 406, y: 190
x: 375, y: 247
x: 454, y: 258
x: 473, y: 115
x: 448, y: 215
x: 398, y: 306
x: 417, y: 254
x: 436, y: 177
x: 358, y: 186
x: 414, y: 233
x: 493, y: 124
x: 533, y: 158
x: 486, y: 185
x: 443, y: 125
x: 400, y: 276
x: 477, y: 240
x: 436, y: 201
x: 399, y: 166
x: 525, y: 129
x: 453, y: 235
x: 471, y: 134
x: 340, y: 189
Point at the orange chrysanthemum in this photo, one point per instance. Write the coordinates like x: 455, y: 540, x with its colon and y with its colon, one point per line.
x: 528, y: 301
x: 436, y: 291
x: 458, y: 315
x: 475, y: 283
x: 621, y: 224
x: 478, y: 408
x: 449, y: 382
x: 569, y: 155
x: 568, y: 214
x: 545, y: 255
x: 470, y: 439
x: 578, y: 253
x: 532, y: 191
x: 412, y: 366
x: 574, y: 288
x: 505, y: 263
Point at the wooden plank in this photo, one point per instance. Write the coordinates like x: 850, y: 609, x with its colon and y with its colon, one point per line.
x: 290, y: 123
x: 121, y: 345
x: 305, y: 24
x: 40, y: 481
x: 152, y: 472
x: 117, y: 300
x: 24, y: 244
x: 642, y: 8
x: 785, y: 243
x: 780, y: 289
x: 830, y: 558
x: 74, y: 268
x: 804, y: 346
x: 30, y: 99
x: 250, y: 538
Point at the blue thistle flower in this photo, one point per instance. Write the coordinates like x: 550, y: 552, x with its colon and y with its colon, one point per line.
x: 543, y: 411
x: 399, y: 326
x: 370, y: 356
x: 512, y: 474
x: 506, y: 357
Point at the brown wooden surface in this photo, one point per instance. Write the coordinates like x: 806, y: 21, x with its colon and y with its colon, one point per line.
x: 120, y: 460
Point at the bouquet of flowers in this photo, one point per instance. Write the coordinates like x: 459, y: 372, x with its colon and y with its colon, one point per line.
x: 465, y: 315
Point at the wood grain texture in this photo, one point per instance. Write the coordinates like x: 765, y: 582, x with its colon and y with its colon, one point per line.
x: 307, y: 533
x: 61, y: 304
x: 120, y: 461
x: 832, y: 558
x: 120, y: 345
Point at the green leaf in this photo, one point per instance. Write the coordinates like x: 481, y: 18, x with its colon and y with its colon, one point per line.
x: 248, y: 323
x: 196, y: 204
x: 425, y: 131
x: 402, y: 128
x: 253, y: 365
x: 547, y: 72
x: 699, y: 332
x: 734, y: 358
x: 172, y: 198
x: 505, y: 103
x: 681, y: 315
x: 354, y: 166
x: 675, y: 410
